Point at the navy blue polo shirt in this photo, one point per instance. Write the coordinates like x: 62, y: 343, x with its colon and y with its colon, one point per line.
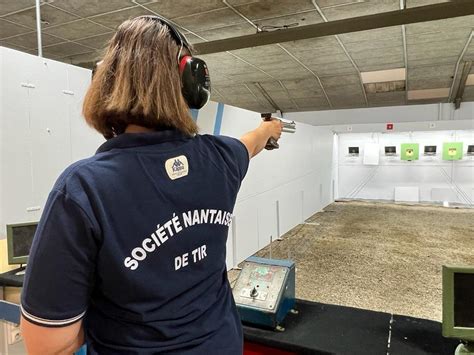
x: 133, y: 241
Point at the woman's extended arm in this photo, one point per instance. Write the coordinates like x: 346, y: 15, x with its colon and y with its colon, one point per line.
x: 256, y: 140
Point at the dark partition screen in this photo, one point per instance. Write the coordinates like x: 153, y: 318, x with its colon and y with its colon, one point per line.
x: 464, y: 300
x: 22, y: 237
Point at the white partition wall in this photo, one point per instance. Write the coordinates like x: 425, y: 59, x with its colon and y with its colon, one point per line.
x: 429, y: 179
x: 42, y: 132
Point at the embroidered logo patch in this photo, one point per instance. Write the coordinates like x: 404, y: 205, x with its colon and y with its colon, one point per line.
x: 177, y: 167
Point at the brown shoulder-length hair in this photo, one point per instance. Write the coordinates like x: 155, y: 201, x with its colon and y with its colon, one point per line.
x: 138, y: 82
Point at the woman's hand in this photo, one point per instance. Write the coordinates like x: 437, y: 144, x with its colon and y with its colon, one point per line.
x: 256, y: 140
x: 273, y: 127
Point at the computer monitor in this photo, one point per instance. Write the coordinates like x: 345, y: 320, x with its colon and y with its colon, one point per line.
x: 458, y: 303
x: 390, y: 150
x: 430, y: 149
x: 470, y: 150
x: 19, y: 240
x: 354, y: 150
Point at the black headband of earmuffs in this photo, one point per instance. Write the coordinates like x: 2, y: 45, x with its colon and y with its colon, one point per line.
x: 195, y: 80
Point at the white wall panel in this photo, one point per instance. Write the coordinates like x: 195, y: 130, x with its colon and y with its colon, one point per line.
x: 84, y: 139
x: 49, y: 126
x: 42, y: 130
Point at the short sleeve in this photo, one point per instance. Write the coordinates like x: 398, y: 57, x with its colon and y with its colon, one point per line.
x: 235, y: 154
x: 60, y: 271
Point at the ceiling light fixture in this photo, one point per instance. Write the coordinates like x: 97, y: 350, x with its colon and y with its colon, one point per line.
x: 427, y: 94
x: 470, y: 80
x: 343, y: 4
x: 383, y: 76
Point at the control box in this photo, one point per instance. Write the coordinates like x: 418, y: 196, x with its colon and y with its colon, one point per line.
x: 265, y: 291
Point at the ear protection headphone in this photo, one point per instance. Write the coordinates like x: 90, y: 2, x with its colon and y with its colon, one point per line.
x: 195, y: 79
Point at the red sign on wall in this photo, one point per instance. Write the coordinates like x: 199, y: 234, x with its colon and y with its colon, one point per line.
x: 389, y: 126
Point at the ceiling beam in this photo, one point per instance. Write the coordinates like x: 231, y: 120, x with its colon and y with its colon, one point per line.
x: 455, y: 8
x: 462, y: 84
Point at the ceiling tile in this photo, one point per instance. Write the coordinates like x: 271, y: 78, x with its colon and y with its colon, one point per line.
x: 50, y: 16
x: 302, y: 19
x: 77, y: 29
x: 318, y: 54
x: 438, y: 71
x: 452, y: 24
x: 286, y: 74
x: 438, y: 36
x: 248, y: 77
x: 310, y: 59
x: 369, y: 46
x: 218, y: 78
x: 229, y: 90
x: 303, y: 93
x: 381, y: 63
x: 114, y: 19
x: 328, y: 69
x: 302, y: 84
x: 262, y: 54
x: 416, y: 3
x: 312, y: 44
x: 216, y: 19
x: 346, y: 90
x: 84, y: 60
x: 336, y: 3
x: 280, y: 64
x: 428, y: 83
x: 178, y: 8
x: 241, y: 29
x: 98, y: 42
x: 30, y: 40
x: 439, y: 76
x: 12, y: 46
x: 340, y: 80
x: 426, y: 102
x: 429, y: 61
x: 273, y: 8
x: 469, y: 55
x: 468, y: 93
x: 380, y: 34
x: 387, y: 98
x: 310, y: 102
x: 84, y: 8
x: 394, y: 53
x: 286, y: 104
x: 368, y: 7
x: 435, y: 50
x: 8, y: 29
x: 16, y: 5
x: 65, y: 50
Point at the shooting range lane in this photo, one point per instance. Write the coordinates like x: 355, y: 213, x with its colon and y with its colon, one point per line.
x: 377, y: 256
x: 346, y: 330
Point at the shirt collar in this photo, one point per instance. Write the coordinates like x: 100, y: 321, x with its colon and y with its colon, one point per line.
x: 130, y: 140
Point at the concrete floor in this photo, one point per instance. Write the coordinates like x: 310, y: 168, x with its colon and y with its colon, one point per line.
x: 377, y: 256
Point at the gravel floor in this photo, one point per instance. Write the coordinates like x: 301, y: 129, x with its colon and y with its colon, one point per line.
x: 378, y: 256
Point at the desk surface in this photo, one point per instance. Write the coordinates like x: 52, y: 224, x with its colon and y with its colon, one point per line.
x: 10, y: 279
x: 330, y: 329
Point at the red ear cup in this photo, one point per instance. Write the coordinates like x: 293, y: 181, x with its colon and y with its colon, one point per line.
x: 182, y: 63
x: 195, y: 81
